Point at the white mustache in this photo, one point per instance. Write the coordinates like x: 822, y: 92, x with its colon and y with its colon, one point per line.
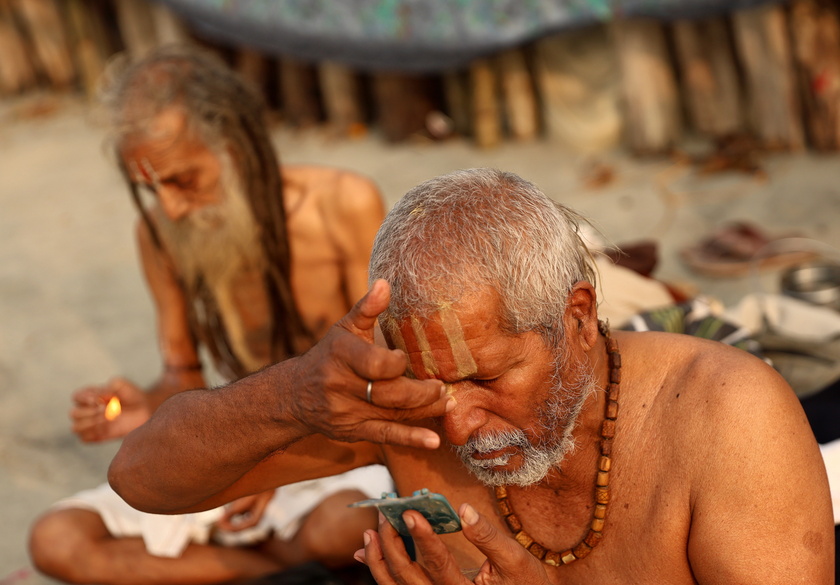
x: 495, y: 462
x: 493, y: 442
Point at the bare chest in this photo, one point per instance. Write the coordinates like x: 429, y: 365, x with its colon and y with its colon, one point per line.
x: 642, y: 536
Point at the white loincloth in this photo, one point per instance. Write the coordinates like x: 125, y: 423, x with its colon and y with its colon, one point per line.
x: 831, y: 458
x: 169, y: 535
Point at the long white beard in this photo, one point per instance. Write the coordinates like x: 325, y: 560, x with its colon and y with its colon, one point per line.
x: 215, y: 242
x: 556, y: 418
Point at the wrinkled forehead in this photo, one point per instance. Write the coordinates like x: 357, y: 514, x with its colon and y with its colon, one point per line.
x: 161, y: 129
x: 165, y: 141
x: 436, y: 347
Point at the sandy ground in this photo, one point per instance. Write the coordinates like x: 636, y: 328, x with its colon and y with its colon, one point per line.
x: 74, y: 309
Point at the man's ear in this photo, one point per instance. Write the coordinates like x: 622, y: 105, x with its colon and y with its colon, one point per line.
x: 581, y: 317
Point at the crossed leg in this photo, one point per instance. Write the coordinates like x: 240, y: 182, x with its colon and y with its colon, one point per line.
x: 73, y: 545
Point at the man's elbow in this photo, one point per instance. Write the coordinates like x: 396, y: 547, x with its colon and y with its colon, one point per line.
x: 129, y: 488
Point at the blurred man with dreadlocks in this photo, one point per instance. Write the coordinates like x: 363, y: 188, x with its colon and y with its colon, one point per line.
x: 249, y: 260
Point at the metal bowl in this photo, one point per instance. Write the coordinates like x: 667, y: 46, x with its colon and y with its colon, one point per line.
x: 817, y: 283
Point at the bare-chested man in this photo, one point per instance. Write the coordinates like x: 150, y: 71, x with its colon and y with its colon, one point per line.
x: 252, y: 262
x: 614, y: 457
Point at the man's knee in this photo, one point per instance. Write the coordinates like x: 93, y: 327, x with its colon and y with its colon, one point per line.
x: 332, y: 531
x: 60, y: 541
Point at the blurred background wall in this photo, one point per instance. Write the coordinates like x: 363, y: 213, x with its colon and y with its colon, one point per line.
x: 640, y: 74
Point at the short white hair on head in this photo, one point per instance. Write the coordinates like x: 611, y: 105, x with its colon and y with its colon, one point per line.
x: 468, y: 230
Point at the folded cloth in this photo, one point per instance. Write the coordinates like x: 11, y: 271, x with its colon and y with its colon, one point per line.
x: 700, y: 317
x: 291, y: 503
x: 786, y: 316
x: 164, y: 536
x: 169, y: 535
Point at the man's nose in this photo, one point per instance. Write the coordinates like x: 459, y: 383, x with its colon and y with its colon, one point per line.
x: 174, y: 205
x: 461, y: 422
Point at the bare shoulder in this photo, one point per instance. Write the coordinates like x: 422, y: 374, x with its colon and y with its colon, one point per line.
x: 707, y: 372
x: 704, y: 399
x: 703, y: 395
x: 337, y: 190
x: 735, y: 382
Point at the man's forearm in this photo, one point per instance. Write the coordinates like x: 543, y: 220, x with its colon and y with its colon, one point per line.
x: 200, y: 442
x: 204, y: 448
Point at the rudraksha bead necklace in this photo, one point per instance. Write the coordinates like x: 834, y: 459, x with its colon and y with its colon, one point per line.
x: 602, y: 479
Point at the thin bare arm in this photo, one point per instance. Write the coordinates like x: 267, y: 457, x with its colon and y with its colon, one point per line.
x: 181, y: 365
x: 200, y: 443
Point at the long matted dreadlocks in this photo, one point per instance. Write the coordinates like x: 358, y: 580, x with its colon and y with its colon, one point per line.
x: 222, y: 110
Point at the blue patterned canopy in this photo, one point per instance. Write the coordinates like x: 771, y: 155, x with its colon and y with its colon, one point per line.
x: 413, y: 35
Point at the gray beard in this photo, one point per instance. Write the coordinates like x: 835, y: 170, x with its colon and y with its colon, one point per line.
x: 557, y: 418
x: 216, y: 242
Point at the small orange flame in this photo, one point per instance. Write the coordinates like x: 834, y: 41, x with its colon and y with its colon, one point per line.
x: 113, y: 408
